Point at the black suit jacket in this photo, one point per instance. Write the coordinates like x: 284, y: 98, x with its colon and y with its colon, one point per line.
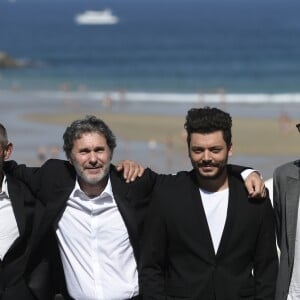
x: 179, y: 261
x: 53, y: 184
x: 24, y: 270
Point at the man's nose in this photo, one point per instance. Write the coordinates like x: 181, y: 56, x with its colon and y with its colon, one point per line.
x: 206, y: 156
x: 93, y: 157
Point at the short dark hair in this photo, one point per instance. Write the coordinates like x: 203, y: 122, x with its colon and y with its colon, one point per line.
x: 89, y: 124
x: 208, y: 120
x: 3, y: 136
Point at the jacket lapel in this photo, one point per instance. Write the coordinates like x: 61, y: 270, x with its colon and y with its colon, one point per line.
x: 291, y: 202
x: 52, y: 206
x: 121, y: 194
x: 17, y: 201
x: 23, y: 215
x: 231, y: 211
x: 198, y: 209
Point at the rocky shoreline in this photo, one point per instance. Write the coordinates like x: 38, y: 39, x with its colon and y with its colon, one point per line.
x: 6, y: 61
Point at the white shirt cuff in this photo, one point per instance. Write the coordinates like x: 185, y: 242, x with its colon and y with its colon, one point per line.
x: 247, y: 172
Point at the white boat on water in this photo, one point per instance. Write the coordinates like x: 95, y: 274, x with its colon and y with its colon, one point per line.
x: 96, y: 17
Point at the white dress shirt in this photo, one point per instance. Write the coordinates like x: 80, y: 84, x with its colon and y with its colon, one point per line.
x: 97, y: 255
x: 215, y: 207
x: 294, y: 290
x: 9, y: 230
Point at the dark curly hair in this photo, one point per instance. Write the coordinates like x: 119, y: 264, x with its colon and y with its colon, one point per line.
x: 208, y: 120
x: 88, y: 124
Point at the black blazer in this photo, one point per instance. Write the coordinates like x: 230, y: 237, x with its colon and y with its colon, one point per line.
x: 24, y: 270
x: 179, y: 262
x: 53, y: 184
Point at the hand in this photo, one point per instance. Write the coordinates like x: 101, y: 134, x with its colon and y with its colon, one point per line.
x: 255, y: 186
x: 131, y: 170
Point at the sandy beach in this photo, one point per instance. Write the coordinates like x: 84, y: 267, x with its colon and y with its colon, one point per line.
x: 152, y: 136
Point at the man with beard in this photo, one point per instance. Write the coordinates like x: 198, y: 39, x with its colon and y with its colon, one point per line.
x: 96, y: 216
x: 90, y: 210
x: 204, y: 238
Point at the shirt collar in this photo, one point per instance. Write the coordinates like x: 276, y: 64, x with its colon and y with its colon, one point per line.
x: 107, y: 192
x: 4, y: 192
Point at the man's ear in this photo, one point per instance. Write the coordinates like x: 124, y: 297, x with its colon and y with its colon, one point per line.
x: 230, y: 150
x: 8, y: 151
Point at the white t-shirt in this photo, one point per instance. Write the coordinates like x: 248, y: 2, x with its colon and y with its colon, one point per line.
x: 215, y: 207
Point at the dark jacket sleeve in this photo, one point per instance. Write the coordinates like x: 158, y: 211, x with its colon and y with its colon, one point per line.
x: 153, y: 256
x: 236, y: 170
x: 28, y: 175
x: 277, y: 204
x: 265, y: 258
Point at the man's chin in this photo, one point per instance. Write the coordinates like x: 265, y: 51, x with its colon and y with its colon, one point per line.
x: 209, y: 175
x: 93, y: 179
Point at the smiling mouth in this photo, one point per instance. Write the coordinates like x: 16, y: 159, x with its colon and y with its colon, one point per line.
x: 94, y: 170
x: 207, y: 168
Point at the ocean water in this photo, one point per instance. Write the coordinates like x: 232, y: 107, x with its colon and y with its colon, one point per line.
x: 164, y: 56
x: 192, y: 47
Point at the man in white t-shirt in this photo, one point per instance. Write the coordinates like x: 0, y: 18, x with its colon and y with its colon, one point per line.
x: 286, y: 193
x: 204, y: 237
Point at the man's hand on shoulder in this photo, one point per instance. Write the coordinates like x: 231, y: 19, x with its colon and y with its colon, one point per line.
x: 131, y: 170
x: 255, y: 185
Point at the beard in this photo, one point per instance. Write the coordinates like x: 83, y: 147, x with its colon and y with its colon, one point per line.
x: 91, y: 179
x: 220, y: 166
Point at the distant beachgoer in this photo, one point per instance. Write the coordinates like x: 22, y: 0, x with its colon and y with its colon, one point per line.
x: 42, y: 154
x: 54, y: 151
x: 222, y: 94
x: 152, y: 144
x: 107, y: 102
x: 65, y: 87
x: 122, y: 98
x: 201, y: 98
x: 285, y: 123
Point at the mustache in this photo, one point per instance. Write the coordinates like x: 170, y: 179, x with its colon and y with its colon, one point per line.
x: 208, y: 164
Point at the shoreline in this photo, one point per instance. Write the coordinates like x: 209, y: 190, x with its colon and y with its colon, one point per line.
x: 249, y: 134
x: 264, y: 136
